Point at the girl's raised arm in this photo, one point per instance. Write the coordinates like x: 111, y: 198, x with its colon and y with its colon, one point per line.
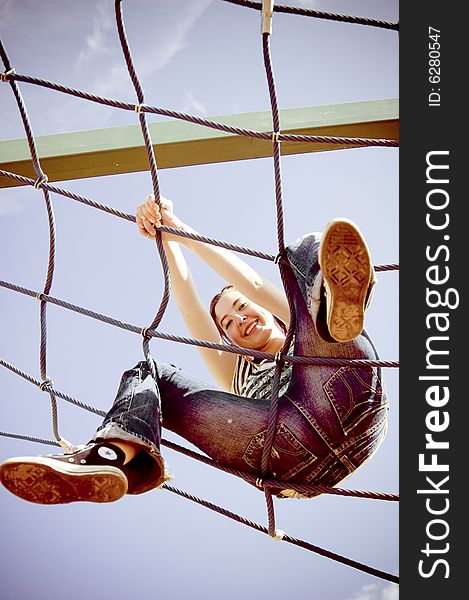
x: 197, y: 318
x: 226, y: 263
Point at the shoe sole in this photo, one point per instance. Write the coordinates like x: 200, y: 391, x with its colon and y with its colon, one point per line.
x: 346, y: 267
x: 43, y: 481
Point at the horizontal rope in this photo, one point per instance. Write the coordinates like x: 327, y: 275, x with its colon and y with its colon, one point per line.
x: 278, y: 483
x: 129, y: 217
x: 56, y: 392
x: 46, y: 385
x: 243, y: 520
x: 285, y: 538
x: 309, y: 12
x: 302, y: 488
x: 305, y: 360
x: 263, y: 135
x: 195, y: 455
x: 193, y: 236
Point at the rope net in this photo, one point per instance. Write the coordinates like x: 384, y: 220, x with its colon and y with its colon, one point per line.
x: 264, y: 479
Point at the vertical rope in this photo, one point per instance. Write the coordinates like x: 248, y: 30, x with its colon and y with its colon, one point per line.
x: 46, y: 384
x: 275, y: 141
x: 41, y: 178
x: 156, y: 188
x: 267, y: 8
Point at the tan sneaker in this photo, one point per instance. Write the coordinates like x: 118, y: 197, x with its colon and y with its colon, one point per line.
x: 347, y: 271
x: 92, y: 474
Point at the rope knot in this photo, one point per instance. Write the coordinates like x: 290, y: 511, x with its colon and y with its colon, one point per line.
x: 40, y: 296
x: 279, y: 257
x: 278, y: 357
x: 45, y: 384
x: 4, y: 75
x: 40, y: 180
x: 144, y: 333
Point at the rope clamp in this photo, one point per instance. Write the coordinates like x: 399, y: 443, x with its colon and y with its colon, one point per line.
x: 276, y: 136
x: 267, y: 10
x: 40, y: 180
x: 138, y: 107
x: 144, y: 333
x: 259, y: 483
x: 40, y: 296
x: 278, y: 357
x: 278, y: 535
x: 278, y: 258
x: 4, y: 75
x: 45, y: 384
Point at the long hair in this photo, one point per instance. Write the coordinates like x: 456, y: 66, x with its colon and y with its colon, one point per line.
x: 213, y: 303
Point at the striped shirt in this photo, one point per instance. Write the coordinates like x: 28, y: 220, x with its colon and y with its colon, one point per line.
x: 253, y: 379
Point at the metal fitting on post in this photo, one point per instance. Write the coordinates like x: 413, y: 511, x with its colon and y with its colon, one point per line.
x: 267, y: 11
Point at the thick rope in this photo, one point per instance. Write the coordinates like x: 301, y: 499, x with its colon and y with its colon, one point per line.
x: 284, y: 537
x: 263, y: 135
x: 41, y: 179
x: 50, y: 388
x: 156, y: 188
x: 193, y: 236
x: 309, y: 12
x: 275, y: 390
x: 305, y: 360
x: 44, y: 297
x: 249, y: 477
x: 243, y: 520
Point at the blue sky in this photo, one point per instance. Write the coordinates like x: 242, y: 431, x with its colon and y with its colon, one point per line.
x: 203, y: 57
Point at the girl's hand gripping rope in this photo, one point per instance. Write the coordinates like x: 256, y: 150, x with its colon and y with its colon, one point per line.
x: 149, y: 216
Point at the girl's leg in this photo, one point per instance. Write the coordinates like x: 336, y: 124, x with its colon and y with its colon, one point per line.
x: 306, y: 282
x: 344, y: 406
x: 219, y: 423
x: 230, y: 429
x: 337, y: 292
x: 134, y: 421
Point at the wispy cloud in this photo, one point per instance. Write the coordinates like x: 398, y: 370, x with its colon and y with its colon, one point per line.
x: 158, y: 54
x: 161, y: 55
x: 192, y: 105
x: 96, y: 40
x: 375, y: 591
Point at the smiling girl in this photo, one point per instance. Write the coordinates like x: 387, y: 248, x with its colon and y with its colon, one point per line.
x: 331, y: 419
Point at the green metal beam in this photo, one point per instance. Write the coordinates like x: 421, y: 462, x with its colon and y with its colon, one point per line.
x: 98, y: 152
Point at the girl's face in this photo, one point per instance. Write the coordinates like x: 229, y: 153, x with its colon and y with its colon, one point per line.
x: 247, y: 324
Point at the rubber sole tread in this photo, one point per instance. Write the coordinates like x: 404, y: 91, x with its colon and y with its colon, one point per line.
x: 44, y: 481
x: 346, y: 267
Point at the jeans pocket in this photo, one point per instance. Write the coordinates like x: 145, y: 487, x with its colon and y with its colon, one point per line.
x: 354, y: 393
x: 288, y: 455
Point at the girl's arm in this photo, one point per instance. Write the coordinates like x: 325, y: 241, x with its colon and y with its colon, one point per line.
x: 198, y: 320
x: 227, y: 264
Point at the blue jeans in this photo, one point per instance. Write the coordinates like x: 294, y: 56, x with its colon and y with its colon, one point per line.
x: 330, y: 419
